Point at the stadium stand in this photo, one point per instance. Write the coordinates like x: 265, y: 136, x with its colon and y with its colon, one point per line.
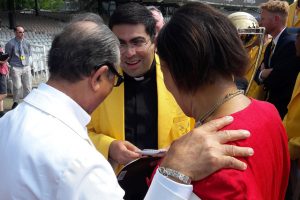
x: 40, y: 31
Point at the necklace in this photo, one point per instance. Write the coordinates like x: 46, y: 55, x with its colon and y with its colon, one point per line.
x: 227, y: 97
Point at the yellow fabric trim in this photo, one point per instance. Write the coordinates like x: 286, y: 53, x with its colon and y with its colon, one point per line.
x: 107, y: 123
x: 255, y: 91
x: 292, y: 121
x: 293, y: 19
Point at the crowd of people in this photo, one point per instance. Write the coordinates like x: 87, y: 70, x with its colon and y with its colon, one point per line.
x: 139, y: 83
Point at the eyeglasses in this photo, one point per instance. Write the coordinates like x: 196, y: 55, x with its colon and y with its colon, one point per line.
x: 21, y: 32
x: 139, y: 45
x: 119, y: 80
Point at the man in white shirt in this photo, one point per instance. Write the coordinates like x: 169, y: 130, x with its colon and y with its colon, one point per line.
x: 45, y: 150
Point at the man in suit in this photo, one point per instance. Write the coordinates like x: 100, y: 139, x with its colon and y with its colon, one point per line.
x: 280, y: 66
x: 141, y: 113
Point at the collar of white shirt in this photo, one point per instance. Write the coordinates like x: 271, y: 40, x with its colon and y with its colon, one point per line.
x: 60, y: 106
x: 275, y: 39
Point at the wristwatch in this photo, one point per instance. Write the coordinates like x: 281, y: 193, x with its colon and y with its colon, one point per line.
x: 175, y: 175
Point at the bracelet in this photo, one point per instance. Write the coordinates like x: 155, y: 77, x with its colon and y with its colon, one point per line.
x: 175, y: 175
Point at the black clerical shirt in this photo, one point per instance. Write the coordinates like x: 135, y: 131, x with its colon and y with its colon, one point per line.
x: 141, y: 109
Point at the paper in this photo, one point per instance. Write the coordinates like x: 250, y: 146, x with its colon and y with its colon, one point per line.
x: 152, y: 152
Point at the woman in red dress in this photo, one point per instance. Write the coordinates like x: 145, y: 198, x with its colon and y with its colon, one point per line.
x: 201, y: 52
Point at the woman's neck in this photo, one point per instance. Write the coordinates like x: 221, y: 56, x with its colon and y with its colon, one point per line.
x: 217, y: 100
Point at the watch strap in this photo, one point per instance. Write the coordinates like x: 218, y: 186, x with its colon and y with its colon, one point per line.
x: 175, y: 175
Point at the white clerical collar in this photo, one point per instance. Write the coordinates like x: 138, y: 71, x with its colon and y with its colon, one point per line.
x: 139, y: 78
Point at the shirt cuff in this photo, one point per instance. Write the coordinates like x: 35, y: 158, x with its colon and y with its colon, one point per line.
x: 182, y: 190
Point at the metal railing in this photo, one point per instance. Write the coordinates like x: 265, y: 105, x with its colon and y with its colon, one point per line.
x: 39, y: 66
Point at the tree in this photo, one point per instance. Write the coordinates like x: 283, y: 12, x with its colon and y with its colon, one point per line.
x: 30, y: 4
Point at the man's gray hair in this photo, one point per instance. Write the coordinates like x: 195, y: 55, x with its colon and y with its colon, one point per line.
x: 80, y: 47
x: 92, y: 17
x: 153, y: 8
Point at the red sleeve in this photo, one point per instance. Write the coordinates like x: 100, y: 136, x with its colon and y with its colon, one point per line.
x: 227, y: 184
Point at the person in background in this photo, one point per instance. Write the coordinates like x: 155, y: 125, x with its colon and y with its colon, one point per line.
x: 292, y: 126
x: 159, y: 18
x: 141, y: 113
x: 293, y: 19
x: 293, y: 115
x: 204, y: 88
x: 280, y: 67
x: 252, y: 43
x: 242, y: 21
x: 291, y: 123
x: 49, y: 154
x: 256, y: 90
x: 3, y: 81
x: 19, y: 50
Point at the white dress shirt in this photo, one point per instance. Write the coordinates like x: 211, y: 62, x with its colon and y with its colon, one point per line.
x: 46, y: 153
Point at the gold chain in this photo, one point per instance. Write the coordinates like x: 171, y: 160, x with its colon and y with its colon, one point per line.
x: 227, y: 97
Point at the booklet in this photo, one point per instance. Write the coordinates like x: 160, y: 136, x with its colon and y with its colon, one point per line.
x: 153, y: 152
x: 134, y: 176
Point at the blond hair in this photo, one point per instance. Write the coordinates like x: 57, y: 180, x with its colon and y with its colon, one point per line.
x: 276, y: 7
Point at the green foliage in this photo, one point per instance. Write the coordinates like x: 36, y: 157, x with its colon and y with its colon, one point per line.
x: 3, y: 5
x: 51, y: 4
x: 30, y: 4
x: 21, y: 4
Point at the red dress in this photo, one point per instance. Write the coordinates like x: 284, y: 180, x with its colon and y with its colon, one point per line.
x: 3, y: 67
x: 268, y: 169
x: 266, y: 176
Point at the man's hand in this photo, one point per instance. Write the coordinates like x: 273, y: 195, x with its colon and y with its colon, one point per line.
x: 123, y: 152
x: 203, y: 151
